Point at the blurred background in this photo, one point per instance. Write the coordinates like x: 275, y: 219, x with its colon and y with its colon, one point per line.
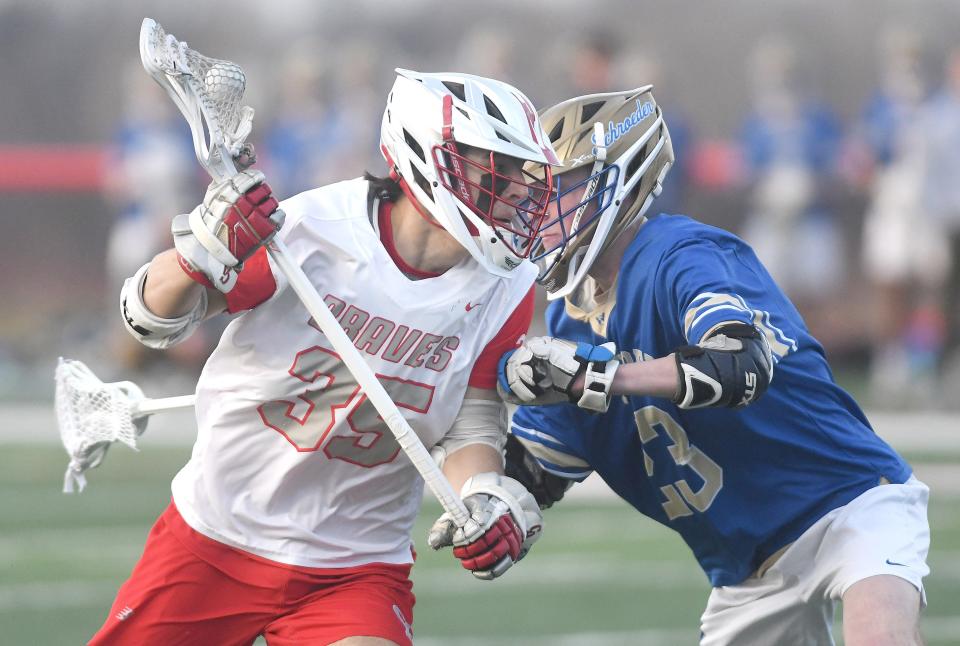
x: 827, y: 134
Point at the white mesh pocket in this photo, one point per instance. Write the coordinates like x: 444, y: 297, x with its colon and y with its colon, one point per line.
x: 208, y: 92
x: 223, y: 86
x: 91, y: 415
x: 90, y: 411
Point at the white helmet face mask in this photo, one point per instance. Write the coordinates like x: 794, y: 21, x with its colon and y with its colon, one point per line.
x: 450, y: 139
x: 617, y: 150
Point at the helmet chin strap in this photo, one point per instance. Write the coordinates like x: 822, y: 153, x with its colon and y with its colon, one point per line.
x: 451, y: 144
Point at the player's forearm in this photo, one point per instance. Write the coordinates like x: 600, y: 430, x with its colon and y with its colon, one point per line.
x: 472, y: 459
x: 655, y: 378
x: 169, y: 292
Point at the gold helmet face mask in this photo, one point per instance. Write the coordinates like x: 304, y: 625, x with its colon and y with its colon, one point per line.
x: 616, y: 151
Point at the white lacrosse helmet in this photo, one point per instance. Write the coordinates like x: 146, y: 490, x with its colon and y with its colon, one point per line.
x: 621, y: 138
x: 427, y: 117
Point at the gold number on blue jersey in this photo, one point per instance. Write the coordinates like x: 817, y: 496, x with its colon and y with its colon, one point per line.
x: 681, y: 499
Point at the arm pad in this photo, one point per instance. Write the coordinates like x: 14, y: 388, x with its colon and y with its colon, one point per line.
x: 731, y: 368
x: 480, y: 421
x: 148, y: 328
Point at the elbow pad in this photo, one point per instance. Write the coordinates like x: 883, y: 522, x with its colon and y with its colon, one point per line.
x: 731, y: 368
x: 480, y: 421
x: 148, y: 328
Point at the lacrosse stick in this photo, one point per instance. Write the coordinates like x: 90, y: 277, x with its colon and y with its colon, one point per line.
x: 208, y: 93
x: 92, y: 415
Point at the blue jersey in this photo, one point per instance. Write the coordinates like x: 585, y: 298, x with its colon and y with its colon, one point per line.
x: 736, y: 484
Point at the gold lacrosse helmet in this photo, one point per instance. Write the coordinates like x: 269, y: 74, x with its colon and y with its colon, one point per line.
x: 616, y: 151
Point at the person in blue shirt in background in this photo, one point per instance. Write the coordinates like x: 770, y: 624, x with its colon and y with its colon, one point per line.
x: 790, y: 144
x: 676, y: 369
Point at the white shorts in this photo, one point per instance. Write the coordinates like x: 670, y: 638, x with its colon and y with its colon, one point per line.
x: 883, y: 531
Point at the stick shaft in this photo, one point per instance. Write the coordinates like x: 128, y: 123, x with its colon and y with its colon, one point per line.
x: 151, y: 406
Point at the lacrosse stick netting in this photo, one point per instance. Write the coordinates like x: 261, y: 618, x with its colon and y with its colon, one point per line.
x: 92, y: 415
x: 208, y: 92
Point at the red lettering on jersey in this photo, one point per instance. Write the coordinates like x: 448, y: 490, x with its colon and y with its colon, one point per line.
x: 375, y: 335
x: 353, y: 320
x: 442, y: 355
x: 426, y: 345
x: 400, y: 344
x: 394, y: 343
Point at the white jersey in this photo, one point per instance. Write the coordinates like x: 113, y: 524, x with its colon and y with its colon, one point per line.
x: 292, y: 463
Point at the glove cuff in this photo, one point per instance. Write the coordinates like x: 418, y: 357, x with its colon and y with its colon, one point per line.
x: 601, y: 365
x: 507, y: 490
x: 503, y: 385
x: 197, y: 263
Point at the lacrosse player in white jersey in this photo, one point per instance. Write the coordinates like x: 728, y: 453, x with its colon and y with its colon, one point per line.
x: 292, y: 517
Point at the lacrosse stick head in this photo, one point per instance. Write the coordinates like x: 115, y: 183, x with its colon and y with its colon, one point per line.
x: 207, y: 91
x: 91, y: 415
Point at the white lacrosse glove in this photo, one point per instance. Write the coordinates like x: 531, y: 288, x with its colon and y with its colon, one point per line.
x: 505, y: 521
x: 543, y: 371
x: 237, y: 217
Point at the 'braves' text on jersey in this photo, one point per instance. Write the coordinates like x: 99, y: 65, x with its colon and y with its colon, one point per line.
x: 292, y: 462
x: 736, y: 484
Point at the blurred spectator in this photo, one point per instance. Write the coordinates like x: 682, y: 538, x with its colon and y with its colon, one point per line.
x: 905, y: 254
x: 592, y: 65
x: 940, y: 136
x: 305, y: 132
x: 326, y: 121
x: 789, y: 144
x: 634, y: 69
x: 487, y: 52
x: 151, y: 176
x: 358, y: 104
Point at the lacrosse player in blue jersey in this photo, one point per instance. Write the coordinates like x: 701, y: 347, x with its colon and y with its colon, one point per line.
x: 684, y: 377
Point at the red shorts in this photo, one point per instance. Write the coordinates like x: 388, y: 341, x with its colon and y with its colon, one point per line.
x: 190, y: 589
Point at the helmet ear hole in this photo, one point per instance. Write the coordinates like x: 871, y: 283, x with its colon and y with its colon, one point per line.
x: 556, y: 131
x: 421, y: 181
x: 637, y: 161
x: 589, y: 110
x: 493, y: 110
x: 414, y: 146
x: 456, y: 89
x: 631, y: 197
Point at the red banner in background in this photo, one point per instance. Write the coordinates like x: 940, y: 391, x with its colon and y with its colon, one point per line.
x: 52, y: 168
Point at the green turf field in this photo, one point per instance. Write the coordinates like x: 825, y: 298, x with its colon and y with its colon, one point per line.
x: 601, y: 575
